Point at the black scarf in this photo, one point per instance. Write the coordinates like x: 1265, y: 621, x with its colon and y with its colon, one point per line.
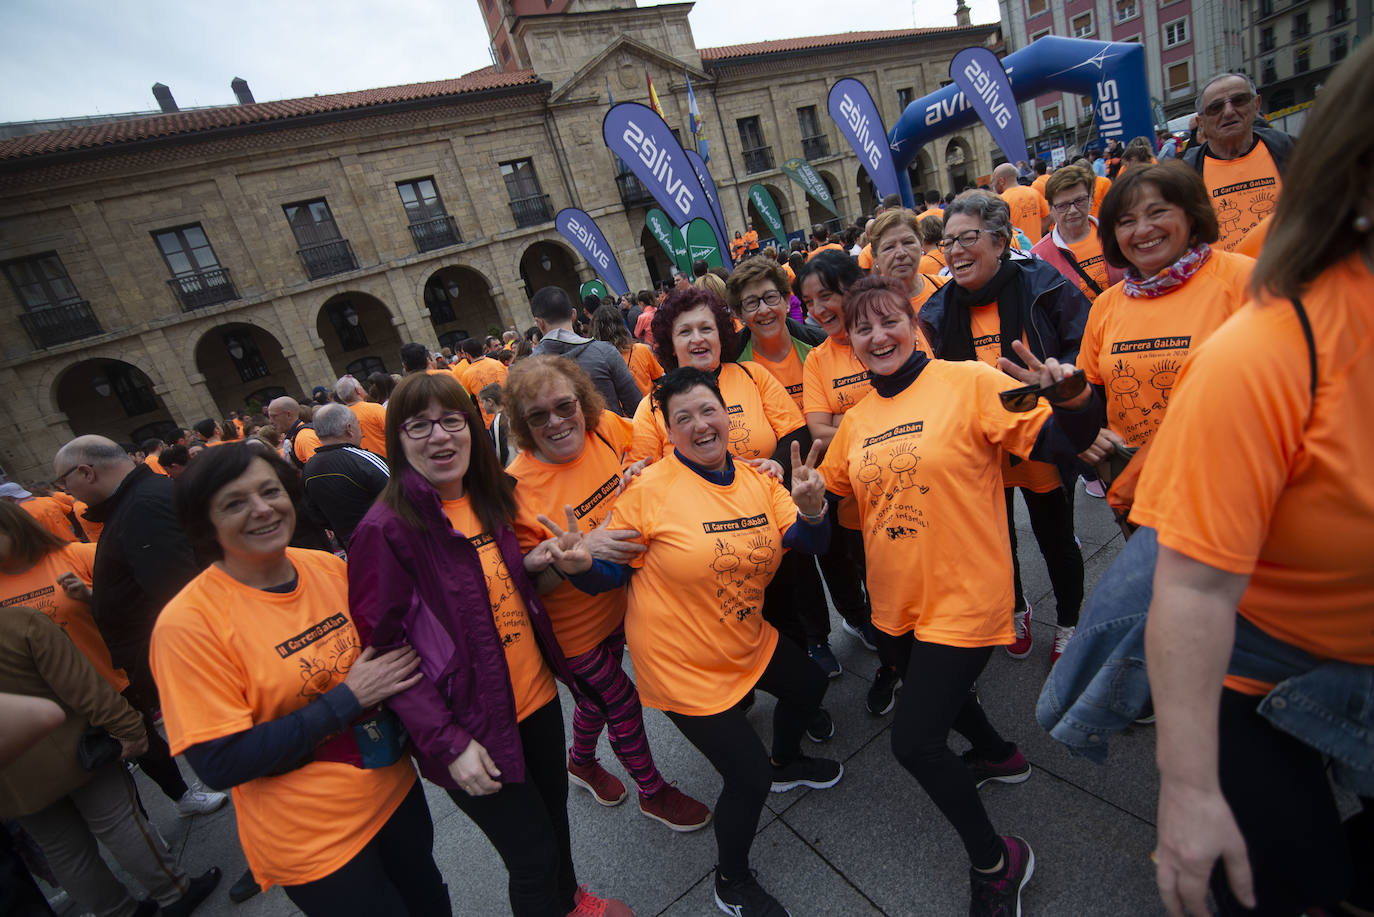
x: 956, y: 336
x: 887, y: 386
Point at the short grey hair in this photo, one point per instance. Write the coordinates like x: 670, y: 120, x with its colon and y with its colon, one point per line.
x: 96, y: 451
x: 989, y: 208
x: 1224, y: 76
x: 331, y: 420
x: 346, y: 389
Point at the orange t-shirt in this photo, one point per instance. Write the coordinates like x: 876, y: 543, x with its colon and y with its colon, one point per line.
x: 644, y: 367
x: 788, y: 372
x: 833, y: 381
x: 829, y: 246
x: 226, y: 657
x: 92, y: 529
x: 305, y: 444
x: 1087, y: 251
x: 1253, y: 242
x: 1101, y: 185
x: 694, y: 623
x: 51, y: 515
x: 1028, y: 209
x: 1251, y: 476
x: 751, y: 240
x: 1135, y: 347
x: 372, y: 422
x: 737, y: 249
x: 1041, y: 477
x: 926, y: 468
x: 37, y: 588
x: 1040, y: 182
x: 152, y: 462
x: 1244, y: 191
x: 761, y: 412
x: 932, y: 263
x: 589, y: 484
x: 481, y: 374
x: 530, y: 679
x: 865, y: 257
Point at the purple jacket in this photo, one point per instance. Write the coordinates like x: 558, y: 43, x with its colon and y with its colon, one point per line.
x: 425, y: 588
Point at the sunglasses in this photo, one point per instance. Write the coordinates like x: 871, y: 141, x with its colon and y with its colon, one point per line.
x: 541, y: 418
x: 1023, y: 399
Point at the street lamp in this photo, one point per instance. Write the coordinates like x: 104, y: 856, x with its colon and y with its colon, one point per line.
x: 101, y: 384
x: 350, y: 315
x: 545, y: 263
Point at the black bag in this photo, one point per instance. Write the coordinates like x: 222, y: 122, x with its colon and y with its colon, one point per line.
x: 96, y: 749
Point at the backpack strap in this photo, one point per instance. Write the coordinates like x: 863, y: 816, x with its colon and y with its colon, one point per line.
x: 1073, y: 262
x: 1311, y: 348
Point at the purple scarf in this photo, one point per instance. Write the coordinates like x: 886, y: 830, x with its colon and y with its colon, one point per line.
x: 1169, y: 279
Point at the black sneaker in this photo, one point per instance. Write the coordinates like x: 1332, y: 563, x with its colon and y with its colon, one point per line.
x: 199, y: 890
x: 816, y: 773
x: 998, y: 894
x: 820, y: 728
x: 883, y: 694
x: 744, y: 897
x: 1012, y: 769
x: 863, y: 633
x: 245, y: 888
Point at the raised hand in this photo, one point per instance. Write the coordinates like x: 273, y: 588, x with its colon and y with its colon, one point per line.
x: 567, y: 548
x: 617, y: 546
x: 808, y: 485
x: 1042, y: 373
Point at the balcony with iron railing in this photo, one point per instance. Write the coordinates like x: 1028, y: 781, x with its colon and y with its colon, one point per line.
x: 632, y: 190
x: 531, y: 211
x: 1339, y: 16
x: 63, y: 323
x: 817, y: 147
x: 440, y: 232
x: 759, y: 159
x: 328, y: 258
x: 199, y: 289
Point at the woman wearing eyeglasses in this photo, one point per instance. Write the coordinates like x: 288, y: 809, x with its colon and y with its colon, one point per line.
x: 573, y: 453
x: 923, y: 456
x: 436, y: 565
x: 995, y: 300
x: 1073, y: 246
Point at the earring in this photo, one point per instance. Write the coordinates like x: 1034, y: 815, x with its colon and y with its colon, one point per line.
x: 1362, y: 223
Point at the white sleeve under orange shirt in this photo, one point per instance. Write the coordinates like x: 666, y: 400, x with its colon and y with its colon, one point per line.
x: 926, y: 468
x: 226, y: 657
x: 1250, y: 477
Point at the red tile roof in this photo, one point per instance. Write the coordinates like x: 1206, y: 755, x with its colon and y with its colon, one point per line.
x: 204, y: 119
x: 810, y: 42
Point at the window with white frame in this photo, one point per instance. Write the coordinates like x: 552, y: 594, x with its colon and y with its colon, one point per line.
x: 1051, y: 117
x: 1175, y: 33
x: 1036, y: 7
x: 1039, y: 35
x: 1126, y: 10
x: 1179, y: 77
x: 1082, y: 25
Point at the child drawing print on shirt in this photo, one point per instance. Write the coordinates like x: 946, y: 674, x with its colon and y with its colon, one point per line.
x: 761, y: 553
x: 1263, y: 204
x: 726, y: 566
x: 327, y: 662
x: 1228, y: 215
x: 739, y: 435
x: 870, y: 475
x: 1126, y: 387
x: 902, y: 461
x: 1163, y: 376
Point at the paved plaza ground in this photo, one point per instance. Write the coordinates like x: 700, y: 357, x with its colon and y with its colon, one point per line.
x: 874, y: 844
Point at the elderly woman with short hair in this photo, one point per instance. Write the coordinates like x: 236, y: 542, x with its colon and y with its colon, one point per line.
x: 996, y: 299
x: 897, y: 252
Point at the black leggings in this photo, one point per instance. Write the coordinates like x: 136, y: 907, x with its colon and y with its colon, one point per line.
x: 842, y: 567
x: 527, y: 822
x: 736, y: 752
x: 938, y: 694
x: 393, y: 875
x: 1278, y: 790
x: 157, y: 761
x: 794, y: 601
x: 1051, y: 519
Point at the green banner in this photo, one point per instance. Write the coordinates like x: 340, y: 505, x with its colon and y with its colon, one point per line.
x: 701, y: 242
x: 593, y: 288
x: 802, y: 172
x: 670, y: 238
x: 768, y: 209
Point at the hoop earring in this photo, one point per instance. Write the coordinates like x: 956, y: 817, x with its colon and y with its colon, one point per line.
x: 1362, y: 223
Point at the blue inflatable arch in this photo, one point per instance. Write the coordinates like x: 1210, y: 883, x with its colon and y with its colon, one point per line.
x: 1113, y: 72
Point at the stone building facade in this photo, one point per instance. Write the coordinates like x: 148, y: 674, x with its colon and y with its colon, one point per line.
x: 168, y: 267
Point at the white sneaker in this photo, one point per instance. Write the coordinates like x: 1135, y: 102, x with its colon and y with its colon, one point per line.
x: 197, y: 801
x: 1062, y: 636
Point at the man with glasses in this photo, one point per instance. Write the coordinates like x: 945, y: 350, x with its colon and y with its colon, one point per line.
x: 1241, y: 162
x: 553, y: 315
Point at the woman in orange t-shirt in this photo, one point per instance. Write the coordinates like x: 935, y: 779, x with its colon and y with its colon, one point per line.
x: 264, y: 690
x: 930, y: 226
x: 715, y: 530
x: 897, y: 253
x: 1261, y: 490
x: 436, y: 565
x: 573, y: 453
x: 608, y: 324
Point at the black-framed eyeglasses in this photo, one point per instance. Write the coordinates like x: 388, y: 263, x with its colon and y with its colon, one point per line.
x: 62, y: 478
x: 1023, y: 399
x: 1236, y: 100
x: 966, y: 239
x: 423, y: 427
x: 749, y: 305
x: 1078, y: 203
x: 541, y: 418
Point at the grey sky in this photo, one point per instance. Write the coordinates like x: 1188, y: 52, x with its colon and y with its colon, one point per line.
x: 78, y: 57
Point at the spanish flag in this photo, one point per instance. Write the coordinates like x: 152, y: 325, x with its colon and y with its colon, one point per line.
x: 653, y: 96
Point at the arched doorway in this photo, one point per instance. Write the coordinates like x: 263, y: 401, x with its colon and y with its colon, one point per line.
x: 357, y: 332
x: 959, y: 163
x: 460, y: 305
x: 816, y: 212
x: 840, y: 196
x: 112, y: 398
x: 929, y: 177
x: 655, y: 258
x: 239, y: 362
x: 868, y: 196
x: 547, y: 264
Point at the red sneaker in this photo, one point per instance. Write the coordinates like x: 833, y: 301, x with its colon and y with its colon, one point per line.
x: 1062, y: 636
x: 588, y: 905
x: 604, y: 787
x: 675, y: 809
x: 1021, y: 647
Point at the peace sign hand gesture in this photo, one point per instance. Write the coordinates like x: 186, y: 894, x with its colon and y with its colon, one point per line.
x: 569, y: 552
x: 1043, y: 374
x: 808, y: 485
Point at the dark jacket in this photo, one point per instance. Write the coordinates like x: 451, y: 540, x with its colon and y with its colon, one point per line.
x: 141, y: 562
x: 605, y: 365
x: 341, y: 484
x: 1280, y: 147
x: 425, y: 587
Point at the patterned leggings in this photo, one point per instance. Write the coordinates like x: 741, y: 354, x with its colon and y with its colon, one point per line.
x: 601, y: 668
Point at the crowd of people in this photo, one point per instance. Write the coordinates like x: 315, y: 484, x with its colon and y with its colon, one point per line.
x: 323, y: 604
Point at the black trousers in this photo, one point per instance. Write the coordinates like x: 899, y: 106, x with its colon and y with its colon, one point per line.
x: 157, y: 761
x: 394, y: 875
x: 794, y: 601
x: 736, y: 752
x: 1051, y: 519
x: 938, y: 694
x: 527, y: 822
x: 1278, y: 790
x: 842, y: 568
